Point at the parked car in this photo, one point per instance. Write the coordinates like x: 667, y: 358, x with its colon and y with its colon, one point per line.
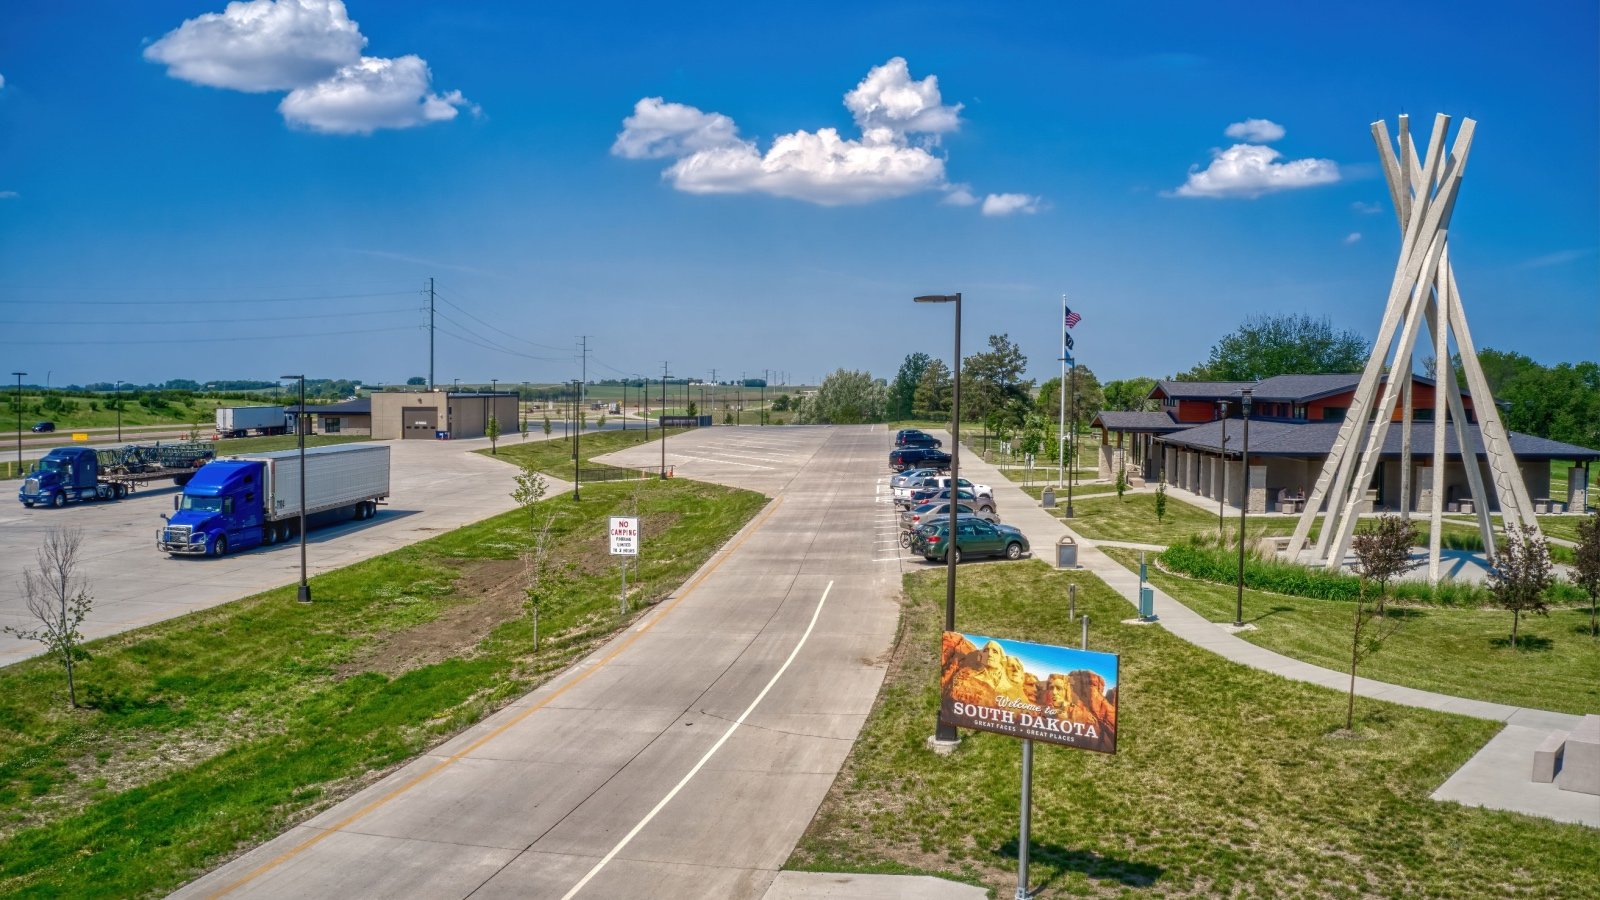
x: 905, y: 434
x: 909, y: 475
x: 919, y: 440
x: 917, y: 516
x: 934, y: 495
x: 982, y: 490
x: 974, y: 537
x: 915, y: 457
x: 44, y: 426
x: 902, y: 494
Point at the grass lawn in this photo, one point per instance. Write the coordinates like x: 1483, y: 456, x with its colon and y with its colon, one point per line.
x: 236, y: 446
x: 554, y: 456
x: 79, y: 416
x: 1464, y: 652
x: 1133, y: 518
x: 1228, y: 782
x: 208, y: 734
x: 1564, y: 527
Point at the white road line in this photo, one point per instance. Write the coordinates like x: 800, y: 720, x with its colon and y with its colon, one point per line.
x: 660, y: 805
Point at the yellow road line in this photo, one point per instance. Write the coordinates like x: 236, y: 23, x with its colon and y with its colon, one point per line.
x: 448, y: 761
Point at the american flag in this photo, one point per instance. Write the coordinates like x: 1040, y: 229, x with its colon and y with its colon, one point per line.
x: 1072, y: 317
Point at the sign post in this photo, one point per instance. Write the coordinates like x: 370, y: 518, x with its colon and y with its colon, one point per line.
x: 1035, y: 692
x: 624, y: 543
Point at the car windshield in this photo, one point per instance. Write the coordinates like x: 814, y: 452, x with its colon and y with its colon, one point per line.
x: 203, y: 504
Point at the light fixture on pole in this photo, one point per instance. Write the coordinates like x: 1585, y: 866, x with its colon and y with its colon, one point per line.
x: 944, y: 733
x: 300, y: 434
x: 1244, y: 506
x: 19, y: 421
x: 1222, y: 494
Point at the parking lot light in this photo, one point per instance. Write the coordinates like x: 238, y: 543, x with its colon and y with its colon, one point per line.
x: 19, y: 421
x: 304, y: 595
x: 943, y: 733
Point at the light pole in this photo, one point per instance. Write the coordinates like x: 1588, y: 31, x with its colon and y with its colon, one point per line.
x: 1072, y: 441
x: 945, y: 733
x: 119, y: 411
x: 764, y: 377
x: 300, y: 435
x: 19, y: 421
x: 1244, y: 505
x: 577, y: 457
x: 1222, y: 413
x: 663, y: 424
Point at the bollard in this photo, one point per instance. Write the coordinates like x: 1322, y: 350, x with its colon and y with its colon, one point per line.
x: 1072, y: 601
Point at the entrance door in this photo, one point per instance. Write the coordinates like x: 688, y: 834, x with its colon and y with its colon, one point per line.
x: 419, y: 422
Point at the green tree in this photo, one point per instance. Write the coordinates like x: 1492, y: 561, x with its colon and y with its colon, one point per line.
x: 845, y: 398
x: 903, y: 390
x: 1086, y: 390
x: 1283, y: 344
x: 1586, y: 567
x: 1382, y: 552
x: 1560, y: 402
x: 1520, y: 576
x: 1161, y: 502
x: 932, y: 397
x: 56, y: 594
x: 993, y: 377
x: 416, y: 380
x: 491, y: 430
x: 1132, y: 395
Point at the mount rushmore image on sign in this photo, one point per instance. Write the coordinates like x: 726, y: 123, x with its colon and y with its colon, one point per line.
x: 1034, y: 691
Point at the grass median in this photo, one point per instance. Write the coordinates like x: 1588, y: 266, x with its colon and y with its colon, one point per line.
x: 1228, y: 781
x: 210, y: 733
x: 553, y: 455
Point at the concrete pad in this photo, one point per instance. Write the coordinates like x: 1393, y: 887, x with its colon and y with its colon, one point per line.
x: 1498, y: 777
x: 830, y: 886
x: 538, y: 874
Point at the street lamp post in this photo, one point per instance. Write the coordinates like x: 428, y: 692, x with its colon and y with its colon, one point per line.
x: 577, y: 457
x: 1072, y: 441
x: 300, y: 434
x: 1222, y: 413
x: 945, y: 733
x: 1244, y: 506
x: 663, y: 424
x: 19, y: 421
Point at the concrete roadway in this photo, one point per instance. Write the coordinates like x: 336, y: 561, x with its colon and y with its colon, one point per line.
x: 684, y: 758
x: 436, y: 486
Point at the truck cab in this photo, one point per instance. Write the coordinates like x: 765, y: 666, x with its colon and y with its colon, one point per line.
x: 65, y: 473
x: 219, y: 510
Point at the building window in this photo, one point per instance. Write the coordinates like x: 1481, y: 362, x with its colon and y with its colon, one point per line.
x: 1425, y: 414
x: 330, y: 425
x: 1334, y: 413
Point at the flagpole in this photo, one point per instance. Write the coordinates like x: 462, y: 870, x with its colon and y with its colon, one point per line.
x: 1061, y: 422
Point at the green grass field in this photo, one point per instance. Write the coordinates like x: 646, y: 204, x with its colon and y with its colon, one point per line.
x: 215, y: 731
x: 1228, y: 782
x: 554, y: 456
x: 93, y: 412
x: 1462, y: 652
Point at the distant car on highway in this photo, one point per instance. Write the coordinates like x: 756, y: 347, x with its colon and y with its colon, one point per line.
x: 974, y: 537
x: 44, y: 426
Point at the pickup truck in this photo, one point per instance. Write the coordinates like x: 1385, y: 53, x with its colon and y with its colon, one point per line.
x: 914, y: 457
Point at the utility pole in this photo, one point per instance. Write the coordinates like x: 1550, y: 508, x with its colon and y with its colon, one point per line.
x: 663, y: 424
x: 577, y: 459
x: 430, y: 332
x: 583, y: 385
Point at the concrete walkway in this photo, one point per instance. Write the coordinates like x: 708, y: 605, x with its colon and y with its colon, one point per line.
x: 1498, y: 777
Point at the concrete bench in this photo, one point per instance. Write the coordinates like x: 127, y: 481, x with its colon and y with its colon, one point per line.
x: 1580, y: 758
x: 1547, y: 759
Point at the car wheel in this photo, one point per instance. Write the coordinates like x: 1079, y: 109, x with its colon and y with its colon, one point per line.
x: 58, y: 500
x: 1013, y: 550
x: 957, y: 552
x: 220, y: 548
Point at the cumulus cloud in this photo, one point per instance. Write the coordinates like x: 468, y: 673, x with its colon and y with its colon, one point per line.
x: 1352, y: 238
x: 1256, y: 131
x: 1250, y: 170
x: 1367, y: 209
x: 658, y: 129
x: 1010, y: 204
x: 8, y: 195
x: 2, y: 81
x: 312, y: 50
x: 900, y: 121
x: 374, y: 93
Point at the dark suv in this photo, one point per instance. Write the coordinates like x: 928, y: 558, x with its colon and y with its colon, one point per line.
x: 911, y: 437
x: 45, y: 426
x: 910, y: 457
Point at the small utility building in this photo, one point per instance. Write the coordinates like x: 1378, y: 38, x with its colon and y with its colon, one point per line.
x: 425, y: 415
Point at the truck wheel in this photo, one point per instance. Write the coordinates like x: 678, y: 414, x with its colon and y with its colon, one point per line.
x: 58, y: 500
x: 119, y: 491
x: 220, y: 548
x: 372, y: 509
x: 269, y: 534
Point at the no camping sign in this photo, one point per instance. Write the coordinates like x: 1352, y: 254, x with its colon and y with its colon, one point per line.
x: 624, y: 535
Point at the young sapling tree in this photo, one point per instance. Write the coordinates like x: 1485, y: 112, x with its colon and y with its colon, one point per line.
x: 58, y: 597
x: 1520, y: 576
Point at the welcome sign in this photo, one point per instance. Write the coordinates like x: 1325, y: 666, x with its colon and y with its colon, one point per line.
x: 1035, y: 691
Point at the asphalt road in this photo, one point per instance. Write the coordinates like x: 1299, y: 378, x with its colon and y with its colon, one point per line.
x: 683, y: 759
x: 436, y: 486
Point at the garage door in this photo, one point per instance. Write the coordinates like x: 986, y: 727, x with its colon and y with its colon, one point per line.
x: 419, y: 422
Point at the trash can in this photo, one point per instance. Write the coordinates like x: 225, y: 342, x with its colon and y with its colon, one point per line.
x: 1066, y: 553
x: 1147, y: 603
x: 1048, y: 499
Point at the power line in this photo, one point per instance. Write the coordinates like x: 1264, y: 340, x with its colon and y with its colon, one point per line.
x: 498, y: 349
x: 496, y: 328
x: 170, y: 322
x: 489, y: 342
x: 208, y: 302
x: 213, y: 340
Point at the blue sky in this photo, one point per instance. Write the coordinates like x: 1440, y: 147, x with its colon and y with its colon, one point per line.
x: 159, y: 170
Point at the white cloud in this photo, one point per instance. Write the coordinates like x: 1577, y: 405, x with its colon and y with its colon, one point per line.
x: 374, y: 93
x: 1367, y: 209
x: 1352, y: 238
x: 2, y: 81
x: 658, y: 129
x: 1250, y: 170
x: 959, y: 195
x: 9, y: 195
x: 1009, y: 204
x: 1256, y: 131
x: 900, y: 120
x: 261, y: 45
x: 311, y: 49
x: 887, y: 100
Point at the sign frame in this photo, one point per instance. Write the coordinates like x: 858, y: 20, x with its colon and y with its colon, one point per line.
x: 1083, y: 716
x: 624, y: 535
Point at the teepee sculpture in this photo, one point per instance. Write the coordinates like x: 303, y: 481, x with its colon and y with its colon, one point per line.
x: 1423, y: 291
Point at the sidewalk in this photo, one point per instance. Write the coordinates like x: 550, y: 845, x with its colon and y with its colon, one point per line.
x: 1497, y: 777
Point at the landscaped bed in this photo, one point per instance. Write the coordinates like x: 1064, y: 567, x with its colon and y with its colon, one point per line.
x: 209, y: 733
x: 1228, y: 781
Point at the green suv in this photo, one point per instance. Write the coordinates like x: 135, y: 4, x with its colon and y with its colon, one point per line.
x: 974, y: 537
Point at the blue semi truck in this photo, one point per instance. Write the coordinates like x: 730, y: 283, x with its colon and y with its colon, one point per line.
x: 71, y: 474
x: 243, y: 501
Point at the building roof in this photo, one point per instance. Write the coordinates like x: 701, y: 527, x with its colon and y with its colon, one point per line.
x: 1275, y: 438
x: 1304, y: 388
x: 1198, y: 390
x: 362, y: 407
x: 1157, y: 422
